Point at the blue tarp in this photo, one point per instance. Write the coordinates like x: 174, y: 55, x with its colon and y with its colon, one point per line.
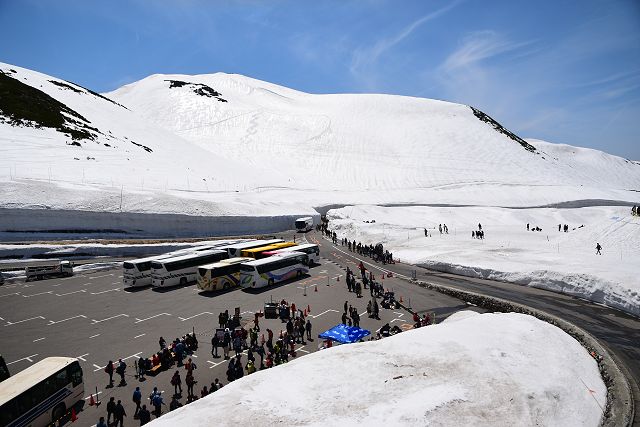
x: 345, y: 334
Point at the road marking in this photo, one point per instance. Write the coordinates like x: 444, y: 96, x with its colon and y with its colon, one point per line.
x: 138, y: 336
x: 25, y: 320
x: 69, y: 293
x: 24, y: 358
x: 214, y: 364
x: 396, y: 320
x: 39, y: 339
x: 93, y: 336
x: 98, y: 368
x: 39, y: 293
x: 51, y: 322
x: 133, y: 355
x: 97, y: 277
x: 104, y: 292
x: 116, y: 283
x: 109, y: 318
x: 244, y: 312
x: 399, y: 314
x: 87, y: 284
x: 82, y: 357
x: 8, y: 295
x: 161, y: 314
x: 324, y: 312
x: 182, y: 319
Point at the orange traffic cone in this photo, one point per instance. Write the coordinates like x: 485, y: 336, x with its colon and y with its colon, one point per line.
x: 91, y: 401
x: 305, y: 312
x: 74, y: 418
x: 400, y: 299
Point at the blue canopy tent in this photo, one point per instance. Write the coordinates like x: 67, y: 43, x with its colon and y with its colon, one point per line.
x: 345, y: 334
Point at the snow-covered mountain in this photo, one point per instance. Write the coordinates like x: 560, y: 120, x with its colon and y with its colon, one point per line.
x: 224, y: 144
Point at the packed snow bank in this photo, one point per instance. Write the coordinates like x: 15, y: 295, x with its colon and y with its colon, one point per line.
x: 489, y: 369
x: 563, y: 262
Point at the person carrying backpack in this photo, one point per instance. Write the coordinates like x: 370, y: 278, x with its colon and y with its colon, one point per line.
x: 157, y: 403
x: 109, y: 370
x: 120, y: 371
x: 176, y: 382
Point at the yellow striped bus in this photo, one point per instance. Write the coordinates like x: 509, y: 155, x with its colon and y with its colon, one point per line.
x: 224, y: 274
x: 258, y: 253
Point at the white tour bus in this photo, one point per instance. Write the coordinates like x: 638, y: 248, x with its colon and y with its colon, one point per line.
x: 182, y: 269
x: 304, y: 224
x: 311, y: 249
x: 234, y: 250
x: 41, y: 394
x: 273, y: 269
x: 220, y: 275
x: 137, y: 272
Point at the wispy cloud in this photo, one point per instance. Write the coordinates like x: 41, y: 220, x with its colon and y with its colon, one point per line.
x: 365, y: 57
x: 480, y: 46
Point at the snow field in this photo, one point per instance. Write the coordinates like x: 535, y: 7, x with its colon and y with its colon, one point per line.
x: 562, y: 262
x: 489, y: 369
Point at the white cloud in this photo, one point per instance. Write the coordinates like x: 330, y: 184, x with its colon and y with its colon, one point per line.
x: 363, y: 58
x: 477, y: 47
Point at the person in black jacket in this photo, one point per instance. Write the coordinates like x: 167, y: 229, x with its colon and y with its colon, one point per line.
x: 144, y: 415
x: 120, y: 414
x: 111, y: 409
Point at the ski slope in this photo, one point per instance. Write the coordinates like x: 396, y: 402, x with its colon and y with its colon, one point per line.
x: 481, y: 370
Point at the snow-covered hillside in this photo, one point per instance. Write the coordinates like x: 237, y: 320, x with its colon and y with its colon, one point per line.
x: 360, y: 142
x: 480, y: 370
x: 231, y: 145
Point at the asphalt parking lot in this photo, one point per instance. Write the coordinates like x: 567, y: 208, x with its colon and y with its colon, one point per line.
x: 91, y: 316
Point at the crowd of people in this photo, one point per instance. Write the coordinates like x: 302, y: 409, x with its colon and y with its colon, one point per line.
x: 635, y: 211
x: 478, y: 234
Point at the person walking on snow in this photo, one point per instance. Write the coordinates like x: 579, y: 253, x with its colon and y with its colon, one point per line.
x: 598, y: 248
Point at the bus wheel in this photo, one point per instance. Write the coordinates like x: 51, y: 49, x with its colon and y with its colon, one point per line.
x: 225, y: 286
x: 58, y: 413
x: 183, y: 281
x: 270, y: 283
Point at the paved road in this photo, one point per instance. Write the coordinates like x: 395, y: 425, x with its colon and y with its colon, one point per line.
x: 90, y: 316
x: 617, y: 331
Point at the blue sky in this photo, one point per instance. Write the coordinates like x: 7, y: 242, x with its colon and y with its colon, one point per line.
x: 563, y: 71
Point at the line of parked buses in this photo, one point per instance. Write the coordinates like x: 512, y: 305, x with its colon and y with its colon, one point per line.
x: 247, y: 263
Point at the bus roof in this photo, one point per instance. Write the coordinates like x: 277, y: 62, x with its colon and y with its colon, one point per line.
x: 272, y: 258
x: 224, y: 262
x: 271, y: 247
x: 253, y: 244
x: 296, y: 248
x: 304, y: 218
x: 24, y: 380
x: 192, y: 255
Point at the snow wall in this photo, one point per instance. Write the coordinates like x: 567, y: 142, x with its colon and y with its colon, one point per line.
x: 43, y: 222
